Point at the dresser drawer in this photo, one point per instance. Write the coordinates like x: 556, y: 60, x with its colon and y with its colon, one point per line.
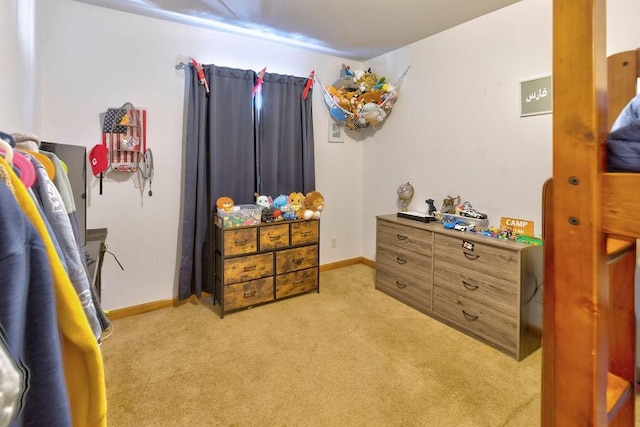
x: 478, y: 318
x: 241, y: 241
x: 408, y: 238
x: 495, y: 261
x: 296, y: 259
x: 405, y: 288
x: 492, y: 291
x: 304, y: 232
x: 403, y: 261
x: 296, y: 282
x: 274, y: 236
x: 247, y: 268
x: 248, y: 293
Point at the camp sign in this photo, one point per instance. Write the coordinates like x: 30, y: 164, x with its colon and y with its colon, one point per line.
x: 519, y: 226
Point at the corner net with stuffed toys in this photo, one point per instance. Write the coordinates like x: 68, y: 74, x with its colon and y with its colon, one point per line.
x: 359, y: 99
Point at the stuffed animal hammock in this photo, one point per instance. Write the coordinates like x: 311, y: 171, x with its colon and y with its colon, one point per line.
x: 360, y: 99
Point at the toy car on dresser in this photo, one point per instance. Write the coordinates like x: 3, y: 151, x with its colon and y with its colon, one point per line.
x: 472, y: 213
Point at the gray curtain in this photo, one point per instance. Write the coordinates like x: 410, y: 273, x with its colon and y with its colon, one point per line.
x: 229, y: 140
x: 284, y: 137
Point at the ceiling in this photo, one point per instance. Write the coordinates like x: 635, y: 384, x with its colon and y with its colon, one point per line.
x: 355, y: 29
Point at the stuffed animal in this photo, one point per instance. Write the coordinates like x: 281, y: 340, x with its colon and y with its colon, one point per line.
x: 449, y: 204
x: 346, y: 79
x: 374, y: 96
x: 263, y: 201
x: 313, y: 205
x: 225, y: 203
x: 281, y: 203
x: 295, y: 203
x: 365, y: 80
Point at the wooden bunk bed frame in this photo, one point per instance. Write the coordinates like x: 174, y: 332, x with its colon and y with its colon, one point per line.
x: 590, y: 229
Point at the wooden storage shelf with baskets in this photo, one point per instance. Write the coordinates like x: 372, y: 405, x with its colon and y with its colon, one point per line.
x: 263, y: 263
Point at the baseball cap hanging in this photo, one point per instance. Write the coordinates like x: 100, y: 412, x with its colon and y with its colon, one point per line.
x: 98, y: 158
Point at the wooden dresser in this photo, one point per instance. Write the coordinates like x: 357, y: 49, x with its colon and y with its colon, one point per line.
x: 487, y: 288
x: 266, y: 262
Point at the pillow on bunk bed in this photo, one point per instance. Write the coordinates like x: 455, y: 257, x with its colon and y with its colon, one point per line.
x: 628, y: 114
x: 623, y: 148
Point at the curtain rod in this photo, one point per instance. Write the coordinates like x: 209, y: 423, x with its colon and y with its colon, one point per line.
x: 181, y: 65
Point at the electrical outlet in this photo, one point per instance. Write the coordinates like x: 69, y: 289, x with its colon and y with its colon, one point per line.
x: 334, y: 241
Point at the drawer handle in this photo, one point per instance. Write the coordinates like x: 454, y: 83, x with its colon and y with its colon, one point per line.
x: 401, y: 260
x: 241, y: 242
x: 298, y: 260
x: 249, y: 294
x: 305, y: 233
x: 472, y: 257
x: 298, y: 283
x: 250, y: 268
x: 401, y: 237
x: 470, y: 286
x: 470, y: 316
x: 272, y: 238
x: 400, y: 285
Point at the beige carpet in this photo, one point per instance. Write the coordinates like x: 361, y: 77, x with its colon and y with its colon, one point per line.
x: 347, y: 356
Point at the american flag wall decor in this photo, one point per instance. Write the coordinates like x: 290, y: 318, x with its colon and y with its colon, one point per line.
x: 124, y: 133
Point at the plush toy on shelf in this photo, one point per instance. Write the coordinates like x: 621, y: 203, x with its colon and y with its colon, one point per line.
x: 263, y: 201
x: 281, y: 203
x: 225, y: 203
x: 295, y: 203
x: 313, y: 205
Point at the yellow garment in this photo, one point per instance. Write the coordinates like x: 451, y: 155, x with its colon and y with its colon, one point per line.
x: 4, y: 177
x: 82, y: 360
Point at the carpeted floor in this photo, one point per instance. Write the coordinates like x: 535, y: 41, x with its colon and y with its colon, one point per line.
x: 347, y: 356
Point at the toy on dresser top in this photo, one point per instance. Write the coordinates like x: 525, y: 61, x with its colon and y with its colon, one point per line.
x: 233, y: 215
x: 294, y: 206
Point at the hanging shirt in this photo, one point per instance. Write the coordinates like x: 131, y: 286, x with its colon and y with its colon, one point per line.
x: 82, y: 361
x: 28, y: 316
x: 56, y: 214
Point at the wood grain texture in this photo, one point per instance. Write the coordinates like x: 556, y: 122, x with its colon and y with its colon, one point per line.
x: 304, y: 232
x: 489, y: 324
x: 500, y: 294
x: 484, y: 257
x: 416, y: 265
x: 623, y: 69
x: 405, y: 288
x: 296, y: 282
x: 240, y: 241
x: 248, y: 268
x: 620, y: 204
x: 274, y: 236
x: 296, y: 259
x: 498, y: 281
x: 248, y: 293
x: 412, y: 239
x: 249, y: 257
x: 580, y: 294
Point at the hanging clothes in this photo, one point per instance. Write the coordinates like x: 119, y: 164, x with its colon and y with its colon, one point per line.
x: 12, y: 385
x: 28, y: 316
x: 81, y: 365
x: 63, y: 184
x: 55, y: 212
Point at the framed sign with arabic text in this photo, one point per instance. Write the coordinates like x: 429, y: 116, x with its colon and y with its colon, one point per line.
x: 536, y: 96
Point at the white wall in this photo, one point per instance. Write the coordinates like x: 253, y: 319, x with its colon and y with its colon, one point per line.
x: 18, y: 87
x: 93, y: 58
x: 455, y: 129
x: 623, y: 31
